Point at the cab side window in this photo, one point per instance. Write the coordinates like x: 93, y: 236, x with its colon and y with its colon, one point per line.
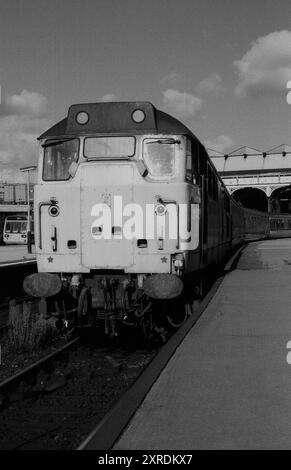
x: 192, y: 161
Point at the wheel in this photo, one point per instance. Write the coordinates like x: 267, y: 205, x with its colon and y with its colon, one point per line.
x: 84, y: 309
x: 177, y: 314
x: 147, y: 327
x: 189, y: 308
x: 199, y: 289
x: 177, y: 319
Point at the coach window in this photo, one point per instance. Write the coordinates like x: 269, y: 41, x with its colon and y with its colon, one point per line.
x: 58, y: 157
x: 203, y: 164
x: 159, y: 157
x: 189, y: 166
x: 210, y: 181
x: 215, y: 187
x: 226, y: 202
x: 195, y: 161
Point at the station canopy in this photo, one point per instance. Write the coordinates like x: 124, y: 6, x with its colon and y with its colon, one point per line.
x: 247, y: 160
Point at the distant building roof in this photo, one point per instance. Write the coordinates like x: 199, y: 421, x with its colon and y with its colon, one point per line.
x: 248, y: 160
x: 245, y: 151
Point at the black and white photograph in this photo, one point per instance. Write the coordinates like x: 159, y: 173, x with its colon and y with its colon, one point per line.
x: 145, y: 228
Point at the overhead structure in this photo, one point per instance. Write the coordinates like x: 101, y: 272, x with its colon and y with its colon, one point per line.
x: 268, y: 171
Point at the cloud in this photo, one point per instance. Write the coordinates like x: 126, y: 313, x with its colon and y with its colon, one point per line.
x: 220, y: 143
x: 23, y: 118
x: 181, y: 105
x: 27, y: 103
x: 109, y: 97
x: 266, y: 67
x: 171, y: 78
x: 211, y: 84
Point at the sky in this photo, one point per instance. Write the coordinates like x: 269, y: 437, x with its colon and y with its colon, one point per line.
x: 220, y: 66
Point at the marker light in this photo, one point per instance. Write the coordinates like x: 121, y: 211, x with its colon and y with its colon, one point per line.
x: 138, y: 116
x: 82, y: 117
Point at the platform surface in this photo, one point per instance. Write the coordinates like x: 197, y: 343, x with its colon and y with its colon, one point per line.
x: 228, y: 386
x: 14, y: 253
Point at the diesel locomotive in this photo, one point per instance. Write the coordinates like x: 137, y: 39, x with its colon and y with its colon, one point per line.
x: 129, y: 213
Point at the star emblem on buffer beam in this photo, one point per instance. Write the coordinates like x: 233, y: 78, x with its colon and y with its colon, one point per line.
x: 164, y: 259
x: 50, y: 259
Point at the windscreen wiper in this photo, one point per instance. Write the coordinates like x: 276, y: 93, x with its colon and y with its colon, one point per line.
x: 164, y: 141
x: 56, y: 142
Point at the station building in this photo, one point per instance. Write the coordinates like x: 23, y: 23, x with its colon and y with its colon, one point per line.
x: 259, y: 180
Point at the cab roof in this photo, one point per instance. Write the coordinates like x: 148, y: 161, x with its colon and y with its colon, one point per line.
x: 116, y: 118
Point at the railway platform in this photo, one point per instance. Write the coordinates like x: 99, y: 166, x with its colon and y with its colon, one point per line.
x: 15, y: 254
x: 228, y: 384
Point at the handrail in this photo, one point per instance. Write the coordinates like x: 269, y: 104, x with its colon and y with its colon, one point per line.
x: 168, y: 201
x: 42, y: 204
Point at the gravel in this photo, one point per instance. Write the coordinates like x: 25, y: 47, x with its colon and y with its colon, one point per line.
x: 63, y: 408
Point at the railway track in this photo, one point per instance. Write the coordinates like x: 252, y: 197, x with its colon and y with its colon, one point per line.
x: 54, y: 403
x: 28, y: 375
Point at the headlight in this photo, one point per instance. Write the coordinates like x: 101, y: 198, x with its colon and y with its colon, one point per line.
x: 160, y: 209
x: 54, y: 210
